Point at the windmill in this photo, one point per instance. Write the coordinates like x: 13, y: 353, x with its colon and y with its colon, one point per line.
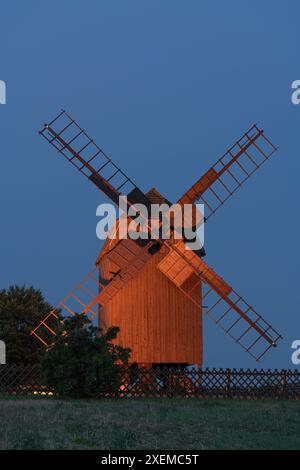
x: 154, y: 290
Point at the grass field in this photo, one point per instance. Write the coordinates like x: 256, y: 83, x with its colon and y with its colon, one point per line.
x: 149, y: 424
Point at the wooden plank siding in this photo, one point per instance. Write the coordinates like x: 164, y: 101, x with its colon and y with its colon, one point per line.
x: 157, y: 321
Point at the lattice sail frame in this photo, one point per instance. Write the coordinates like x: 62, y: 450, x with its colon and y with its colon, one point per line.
x: 228, y: 174
x: 85, y: 298
x: 79, y: 300
x: 226, y: 308
x: 71, y: 140
x: 62, y: 132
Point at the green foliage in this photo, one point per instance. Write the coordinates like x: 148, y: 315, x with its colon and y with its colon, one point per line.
x: 21, y: 308
x: 82, y: 362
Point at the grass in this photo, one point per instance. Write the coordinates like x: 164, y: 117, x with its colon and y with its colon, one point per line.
x: 161, y: 424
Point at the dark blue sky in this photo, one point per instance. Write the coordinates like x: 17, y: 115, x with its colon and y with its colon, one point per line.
x: 164, y: 88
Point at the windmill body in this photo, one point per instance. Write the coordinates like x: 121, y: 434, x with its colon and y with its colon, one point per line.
x: 156, y: 320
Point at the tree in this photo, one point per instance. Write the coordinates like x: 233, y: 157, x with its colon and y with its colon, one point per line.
x: 21, y: 308
x: 82, y: 363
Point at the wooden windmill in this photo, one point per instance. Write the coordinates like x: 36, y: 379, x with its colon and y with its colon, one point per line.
x: 154, y: 291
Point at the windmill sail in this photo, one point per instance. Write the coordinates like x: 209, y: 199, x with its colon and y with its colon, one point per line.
x: 79, y: 149
x: 92, y: 291
x: 80, y: 300
x: 228, y: 309
x: 228, y: 174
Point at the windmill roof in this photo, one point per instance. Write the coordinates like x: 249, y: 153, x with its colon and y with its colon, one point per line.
x: 155, y: 198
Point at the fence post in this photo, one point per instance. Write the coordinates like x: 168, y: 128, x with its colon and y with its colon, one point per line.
x: 228, y: 383
x: 169, y: 374
x: 283, y: 382
x: 199, y: 382
x: 2, y: 353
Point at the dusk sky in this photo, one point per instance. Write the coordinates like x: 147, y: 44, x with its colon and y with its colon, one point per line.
x: 164, y: 90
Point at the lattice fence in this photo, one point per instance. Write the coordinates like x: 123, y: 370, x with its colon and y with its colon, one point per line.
x: 22, y: 379
x: 170, y: 382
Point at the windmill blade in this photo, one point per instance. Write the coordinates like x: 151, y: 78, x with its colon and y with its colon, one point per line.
x: 92, y: 292
x: 75, y: 145
x: 222, y: 180
x: 228, y: 309
x: 80, y: 299
x: 71, y: 141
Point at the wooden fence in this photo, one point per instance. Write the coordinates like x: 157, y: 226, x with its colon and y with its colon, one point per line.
x: 170, y: 382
